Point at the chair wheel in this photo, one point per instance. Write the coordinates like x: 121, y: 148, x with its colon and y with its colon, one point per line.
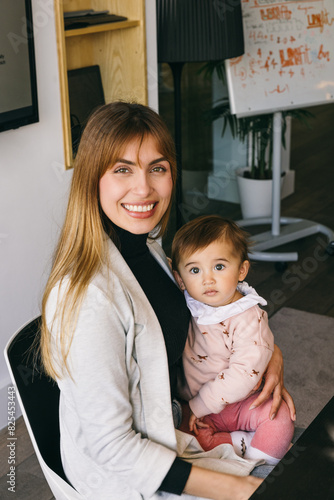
x: 281, y: 266
x: 330, y: 248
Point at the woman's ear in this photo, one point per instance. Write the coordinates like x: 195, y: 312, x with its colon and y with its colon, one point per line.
x: 179, y: 280
x: 243, y: 270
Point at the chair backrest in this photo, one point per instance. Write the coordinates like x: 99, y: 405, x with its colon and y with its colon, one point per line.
x: 39, y: 398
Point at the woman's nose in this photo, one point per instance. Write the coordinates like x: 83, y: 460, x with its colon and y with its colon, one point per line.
x: 142, y: 185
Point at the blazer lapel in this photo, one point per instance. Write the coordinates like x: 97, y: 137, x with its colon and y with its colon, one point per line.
x: 151, y: 355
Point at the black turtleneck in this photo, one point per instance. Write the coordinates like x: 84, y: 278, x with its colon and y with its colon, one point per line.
x: 173, y: 315
x: 163, y: 294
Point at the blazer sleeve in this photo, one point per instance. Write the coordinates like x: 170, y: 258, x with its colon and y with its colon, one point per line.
x: 98, y: 397
x: 251, y: 350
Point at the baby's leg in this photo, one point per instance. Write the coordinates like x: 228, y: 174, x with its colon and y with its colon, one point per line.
x: 212, y: 436
x: 264, y: 438
x: 208, y: 437
x: 272, y: 438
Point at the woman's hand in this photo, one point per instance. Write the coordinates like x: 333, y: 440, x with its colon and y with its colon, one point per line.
x: 218, y: 486
x: 274, y: 384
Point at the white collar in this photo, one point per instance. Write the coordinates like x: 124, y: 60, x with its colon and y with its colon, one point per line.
x: 209, y: 315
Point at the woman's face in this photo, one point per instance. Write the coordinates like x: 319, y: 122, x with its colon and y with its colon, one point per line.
x: 135, y: 192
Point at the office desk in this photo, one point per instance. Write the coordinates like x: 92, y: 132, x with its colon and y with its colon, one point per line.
x: 307, y: 470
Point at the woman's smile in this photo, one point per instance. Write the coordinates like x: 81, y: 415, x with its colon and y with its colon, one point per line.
x: 140, y: 211
x: 139, y: 208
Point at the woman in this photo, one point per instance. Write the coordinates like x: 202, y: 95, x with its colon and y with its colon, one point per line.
x: 115, y: 323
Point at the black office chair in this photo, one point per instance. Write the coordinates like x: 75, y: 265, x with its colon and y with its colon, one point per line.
x: 38, y: 397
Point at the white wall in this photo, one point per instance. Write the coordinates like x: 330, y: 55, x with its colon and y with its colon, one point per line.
x: 33, y: 192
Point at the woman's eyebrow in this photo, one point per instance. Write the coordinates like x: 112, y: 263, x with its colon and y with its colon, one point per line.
x: 122, y: 160
x: 153, y: 162
x: 162, y: 158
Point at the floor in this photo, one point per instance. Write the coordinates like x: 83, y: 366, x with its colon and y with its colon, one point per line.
x: 306, y: 285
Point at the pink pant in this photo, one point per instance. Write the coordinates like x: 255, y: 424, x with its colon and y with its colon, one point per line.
x: 273, y: 437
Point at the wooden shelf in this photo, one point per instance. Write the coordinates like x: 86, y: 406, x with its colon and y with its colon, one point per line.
x: 99, y: 28
x: 118, y: 48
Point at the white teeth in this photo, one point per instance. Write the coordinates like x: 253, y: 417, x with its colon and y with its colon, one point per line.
x: 139, y: 208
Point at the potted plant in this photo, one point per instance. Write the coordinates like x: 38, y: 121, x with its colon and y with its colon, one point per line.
x: 255, y: 180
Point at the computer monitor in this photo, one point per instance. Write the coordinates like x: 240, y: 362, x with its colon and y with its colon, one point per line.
x: 18, y: 87
x: 85, y: 95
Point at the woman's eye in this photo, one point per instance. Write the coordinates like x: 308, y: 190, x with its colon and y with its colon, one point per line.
x: 219, y: 267
x: 121, y: 170
x: 194, y: 270
x: 158, y: 168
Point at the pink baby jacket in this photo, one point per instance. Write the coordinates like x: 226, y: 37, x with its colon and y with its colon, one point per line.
x: 227, y: 352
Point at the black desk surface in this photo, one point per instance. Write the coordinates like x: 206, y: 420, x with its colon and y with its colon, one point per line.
x: 307, y: 470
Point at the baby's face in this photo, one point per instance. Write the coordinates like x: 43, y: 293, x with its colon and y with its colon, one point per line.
x: 211, y: 274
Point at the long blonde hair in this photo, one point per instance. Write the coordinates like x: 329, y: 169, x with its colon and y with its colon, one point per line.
x: 81, y: 249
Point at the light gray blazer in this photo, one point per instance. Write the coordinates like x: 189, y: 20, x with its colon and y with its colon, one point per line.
x: 117, y: 435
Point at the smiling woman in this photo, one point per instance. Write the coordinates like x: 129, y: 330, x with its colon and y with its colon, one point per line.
x: 136, y: 191
x: 115, y: 323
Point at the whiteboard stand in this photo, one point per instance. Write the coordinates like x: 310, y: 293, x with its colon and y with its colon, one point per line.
x: 292, y: 228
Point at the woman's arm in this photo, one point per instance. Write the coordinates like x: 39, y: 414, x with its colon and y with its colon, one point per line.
x: 97, y: 411
x: 217, y: 486
x: 274, y: 384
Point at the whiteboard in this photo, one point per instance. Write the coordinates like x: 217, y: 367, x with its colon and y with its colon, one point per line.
x: 289, y: 56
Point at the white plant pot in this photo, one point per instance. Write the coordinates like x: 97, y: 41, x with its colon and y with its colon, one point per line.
x: 255, y: 196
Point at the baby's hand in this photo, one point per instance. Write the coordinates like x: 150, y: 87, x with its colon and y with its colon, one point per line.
x: 195, y: 423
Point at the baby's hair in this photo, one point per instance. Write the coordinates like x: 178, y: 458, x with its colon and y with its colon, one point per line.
x: 202, y: 231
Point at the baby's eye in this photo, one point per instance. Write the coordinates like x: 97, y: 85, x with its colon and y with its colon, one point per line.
x: 194, y: 270
x: 219, y: 267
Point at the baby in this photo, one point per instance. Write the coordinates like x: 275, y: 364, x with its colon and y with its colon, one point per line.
x: 229, y: 345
